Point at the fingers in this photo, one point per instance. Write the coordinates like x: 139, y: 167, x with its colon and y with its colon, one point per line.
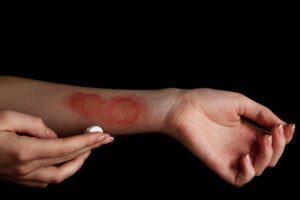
x: 25, y: 124
x: 246, y: 173
x: 264, y: 156
x: 32, y: 153
x: 271, y: 148
x: 29, y: 183
x: 281, y: 136
x: 279, y: 142
x: 289, y: 131
x: 36, y: 164
x: 54, y: 174
x: 258, y: 113
x: 41, y: 149
x: 263, y: 116
x: 51, y: 174
x: 41, y: 172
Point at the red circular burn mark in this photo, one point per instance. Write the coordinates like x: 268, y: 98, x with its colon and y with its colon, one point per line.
x: 123, y: 110
x: 117, y: 110
x: 88, y: 105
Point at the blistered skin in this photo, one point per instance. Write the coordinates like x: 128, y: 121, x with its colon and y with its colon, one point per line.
x: 120, y: 110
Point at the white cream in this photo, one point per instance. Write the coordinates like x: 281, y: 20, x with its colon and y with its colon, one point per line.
x: 93, y: 129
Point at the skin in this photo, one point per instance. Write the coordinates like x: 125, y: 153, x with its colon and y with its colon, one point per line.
x: 121, y: 110
x: 30, y: 151
x: 213, y: 124
x: 240, y: 149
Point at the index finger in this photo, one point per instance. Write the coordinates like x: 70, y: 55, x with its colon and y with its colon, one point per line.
x: 49, y: 148
x: 25, y: 124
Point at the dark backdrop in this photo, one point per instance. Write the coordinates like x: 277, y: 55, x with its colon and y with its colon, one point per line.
x: 249, y: 48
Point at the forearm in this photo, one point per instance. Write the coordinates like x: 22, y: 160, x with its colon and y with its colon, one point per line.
x: 70, y: 109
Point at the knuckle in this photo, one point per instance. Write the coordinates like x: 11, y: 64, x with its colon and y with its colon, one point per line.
x: 265, y: 111
x: 21, y: 155
x: 238, y: 96
x: 5, y: 115
x: 63, y: 151
x: 57, y: 178
x: 22, y: 170
x: 39, y: 121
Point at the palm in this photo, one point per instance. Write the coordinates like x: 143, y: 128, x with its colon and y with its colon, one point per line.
x: 208, y: 122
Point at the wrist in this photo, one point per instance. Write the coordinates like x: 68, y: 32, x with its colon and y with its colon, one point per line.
x: 173, y: 125
x: 162, y: 104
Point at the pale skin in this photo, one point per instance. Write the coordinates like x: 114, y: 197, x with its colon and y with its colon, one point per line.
x: 210, y: 123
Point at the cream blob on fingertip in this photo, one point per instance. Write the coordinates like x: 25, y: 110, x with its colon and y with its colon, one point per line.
x: 93, y: 129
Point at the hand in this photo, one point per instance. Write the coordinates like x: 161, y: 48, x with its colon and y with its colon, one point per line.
x: 44, y: 158
x: 212, y: 124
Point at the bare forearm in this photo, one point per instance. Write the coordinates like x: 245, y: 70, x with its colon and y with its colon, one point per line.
x: 69, y: 109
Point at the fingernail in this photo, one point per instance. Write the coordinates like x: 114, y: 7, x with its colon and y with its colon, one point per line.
x: 293, y: 128
x: 87, y: 154
x: 284, y: 123
x: 248, y: 159
x: 107, y: 140
x: 50, y: 133
x: 280, y: 129
x: 269, y: 140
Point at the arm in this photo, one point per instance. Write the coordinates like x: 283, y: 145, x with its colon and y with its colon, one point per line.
x: 70, y: 109
x: 210, y: 123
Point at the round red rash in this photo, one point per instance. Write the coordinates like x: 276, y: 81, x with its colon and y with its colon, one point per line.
x: 87, y: 105
x: 120, y: 110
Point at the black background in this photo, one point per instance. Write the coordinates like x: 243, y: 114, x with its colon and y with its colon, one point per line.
x: 248, y: 48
